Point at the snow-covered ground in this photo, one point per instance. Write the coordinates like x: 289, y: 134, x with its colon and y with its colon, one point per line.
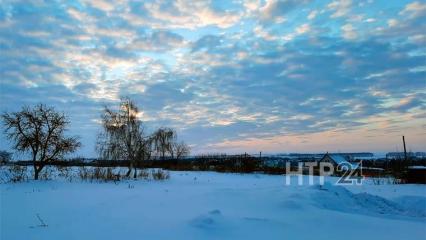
x: 208, y: 205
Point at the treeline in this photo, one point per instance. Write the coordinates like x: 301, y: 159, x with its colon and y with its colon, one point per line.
x: 395, y: 167
x: 232, y: 163
x: 243, y: 163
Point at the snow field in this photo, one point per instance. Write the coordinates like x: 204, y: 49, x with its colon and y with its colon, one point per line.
x: 209, y: 205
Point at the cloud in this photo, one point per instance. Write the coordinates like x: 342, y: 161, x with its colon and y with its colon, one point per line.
x: 312, y: 14
x: 340, y: 7
x: 182, y: 14
x: 392, y: 22
x: 157, y: 41
x: 303, y: 29
x: 349, y: 32
x: 410, y: 23
x: 262, y: 33
x: 414, y: 10
x: 409, y: 102
x: 208, y: 42
x: 274, y: 10
x: 102, y: 5
x: 240, y: 73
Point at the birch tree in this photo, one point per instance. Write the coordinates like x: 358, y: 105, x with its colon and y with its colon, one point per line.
x: 123, y: 135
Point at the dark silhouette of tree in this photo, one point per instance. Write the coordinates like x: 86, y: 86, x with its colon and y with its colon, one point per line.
x: 180, y: 150
x: 163, y: 140
x: 123, y: 137
x: 39, y: 131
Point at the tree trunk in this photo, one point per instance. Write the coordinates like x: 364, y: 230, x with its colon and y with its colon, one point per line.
x: 130, y: 169
x: 35, y: 165
x: 37, y: 171
x: 135, y: 174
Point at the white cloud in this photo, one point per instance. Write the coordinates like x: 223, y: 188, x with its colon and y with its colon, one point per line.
x: 252, y: 5
x: 414, y: 10
x: 103, y: 5
x: 312, y: 14
x: 340, y: 7
x: 392, y: 22
x: 418, y: 38
x: 304, y: 28
x: 262, y: 33
x: 356, y: 18
x: 187, y: 14
x: 349, y: 32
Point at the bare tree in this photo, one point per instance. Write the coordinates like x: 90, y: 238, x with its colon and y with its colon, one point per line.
x: 163, y: 140
x: 123, y: 136
x: 39, y: 131
x: 180, y: 150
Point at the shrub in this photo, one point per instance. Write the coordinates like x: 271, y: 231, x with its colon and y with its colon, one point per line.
x: 46, y: 174
x: 143, y: 174
x: 108, y: 174
x: 83, y: 173
x: 15, y: 173
x: 159, y: 174
x: 63, y: 171
x: 98, y: 174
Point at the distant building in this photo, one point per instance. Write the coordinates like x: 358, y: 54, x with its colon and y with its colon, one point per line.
x: 341, y: 164
x: 318, y: 156
x: 401, y: 155
x: 338, y: 160
x: 360, y: 156
x: 305, y: 156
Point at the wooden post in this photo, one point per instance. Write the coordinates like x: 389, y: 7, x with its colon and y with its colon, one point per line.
x: 405, y: 149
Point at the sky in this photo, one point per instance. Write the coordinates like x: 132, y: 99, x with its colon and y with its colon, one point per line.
x: 229, y: 75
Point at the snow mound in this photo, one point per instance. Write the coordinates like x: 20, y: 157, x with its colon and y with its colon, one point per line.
x: 416, y: 205
x: 338, y: 198
x: 208, y: 221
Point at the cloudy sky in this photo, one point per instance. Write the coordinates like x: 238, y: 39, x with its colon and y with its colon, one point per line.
x: 230, y: 76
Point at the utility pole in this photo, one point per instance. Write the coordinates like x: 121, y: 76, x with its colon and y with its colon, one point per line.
x: 405, y: 149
